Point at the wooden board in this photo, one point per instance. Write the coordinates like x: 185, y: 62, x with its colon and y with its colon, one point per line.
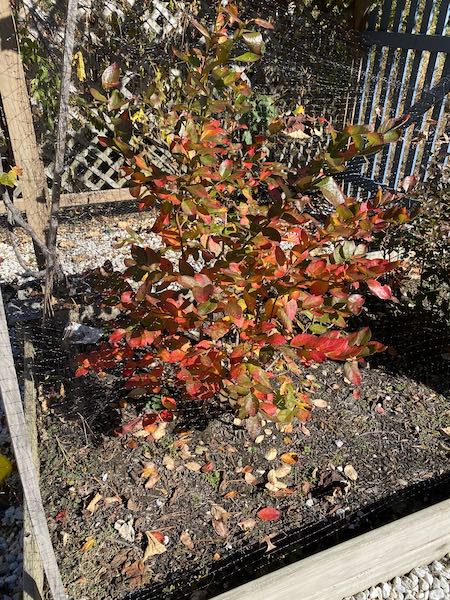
x: 20, y: 441
x: 83, y: 199
x: 33, y: 571
x: 19, y: 120
x: 357, y: 564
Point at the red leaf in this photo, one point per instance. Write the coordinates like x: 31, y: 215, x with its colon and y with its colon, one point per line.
x: 381, y: 291
x: 351, y: 371
x: 169, y: 402
x: 268, y: 408
x: 268, y: 514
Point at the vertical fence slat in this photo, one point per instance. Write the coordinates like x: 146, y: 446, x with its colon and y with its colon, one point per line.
x: 411, y: 88
x: 386, y: 85
x: 398, y: 87
x: 428, y: 81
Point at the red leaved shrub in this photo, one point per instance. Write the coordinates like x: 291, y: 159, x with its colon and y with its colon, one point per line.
x: 260, y: 285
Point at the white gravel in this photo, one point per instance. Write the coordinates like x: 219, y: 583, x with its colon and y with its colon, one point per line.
x: 83, y: 243
x: 422, y: 583
x: 11, y: 524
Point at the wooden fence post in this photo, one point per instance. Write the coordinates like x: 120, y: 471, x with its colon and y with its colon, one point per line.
x: 19, y: 121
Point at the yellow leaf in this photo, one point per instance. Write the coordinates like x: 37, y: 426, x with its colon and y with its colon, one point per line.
x: 79, y: 60
x: 90, y: 543
x: 92, y: 506
x: 5, y: 467
x: 153, y: 546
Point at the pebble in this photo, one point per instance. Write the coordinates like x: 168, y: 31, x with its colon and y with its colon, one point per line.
x: 422, y: 583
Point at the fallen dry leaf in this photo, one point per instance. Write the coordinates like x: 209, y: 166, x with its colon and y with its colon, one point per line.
x: 89, y: 543
x: 168, y: 462
x: 151, y: 474
x: 219, y: 518
x: 125, y: 529
x: 283, y: 471
x: 268, y: 514
x: 136, y: 569
x: 193, y: 466
x: 119, y: 559
x: 154, y: 546
x: 271, y: 454
x: 220, y: 527
x: 289, y: 458
x: 112, y: 500
x: 319, y: 403
x: 250, y: 479
x: 247, y: 524
x: 208, y: 467
x: 186, y: 540
x: 92, y: 506
x: 445, y: 431
x: 350, y: 472
x: 160, y: 431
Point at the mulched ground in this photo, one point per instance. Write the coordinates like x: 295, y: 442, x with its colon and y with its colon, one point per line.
x: 131, y: 511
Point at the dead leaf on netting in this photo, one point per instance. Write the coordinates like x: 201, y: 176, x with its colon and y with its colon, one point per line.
x: 247, y: 524
x: 282, y: 471
x: 267, y: 539
x: 89, y: 543
x: 269, y: 513
x: 160, y: 432
x: 186, y: 540
x: 350, y: 472
x: 154, y: 546
x: 112, y: 500
x: 92, y: 506
x: 319, y: 403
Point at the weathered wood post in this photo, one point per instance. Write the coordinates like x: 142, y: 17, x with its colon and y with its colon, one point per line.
x: 19, y: 121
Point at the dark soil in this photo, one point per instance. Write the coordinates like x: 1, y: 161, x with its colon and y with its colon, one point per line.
x: 392, y: 437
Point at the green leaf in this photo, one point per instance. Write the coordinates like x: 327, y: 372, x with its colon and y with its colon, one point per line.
x: 247, y: 57
x: 98, y: 95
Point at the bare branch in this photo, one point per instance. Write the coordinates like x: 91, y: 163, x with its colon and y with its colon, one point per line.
x: 69, y: 38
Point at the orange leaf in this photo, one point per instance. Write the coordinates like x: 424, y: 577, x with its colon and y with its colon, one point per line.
x: 289, y: 458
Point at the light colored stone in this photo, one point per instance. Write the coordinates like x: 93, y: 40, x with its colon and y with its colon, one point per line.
x: 386, y: 590
x: 437, y: 594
